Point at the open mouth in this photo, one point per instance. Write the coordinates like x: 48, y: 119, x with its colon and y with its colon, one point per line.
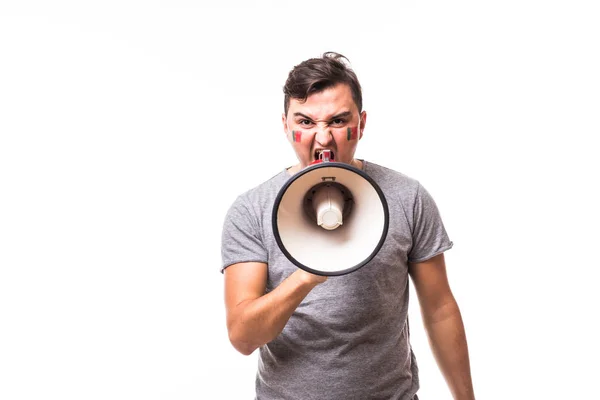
x: 319, y: 154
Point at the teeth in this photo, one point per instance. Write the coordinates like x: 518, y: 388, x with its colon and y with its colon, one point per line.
x: 319, y: 152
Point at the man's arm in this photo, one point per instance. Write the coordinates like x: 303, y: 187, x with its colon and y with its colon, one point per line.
x: 253, y: 317
x: 443, y: 323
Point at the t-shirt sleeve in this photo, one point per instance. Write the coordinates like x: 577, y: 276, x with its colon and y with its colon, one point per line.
x: 241, y: 240
x: 429, y: 235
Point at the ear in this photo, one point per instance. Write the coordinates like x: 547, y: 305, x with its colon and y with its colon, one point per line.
x: 284, y: 123
x: 363, y: 122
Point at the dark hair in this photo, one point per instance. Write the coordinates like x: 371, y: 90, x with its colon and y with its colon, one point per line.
x: 317, y: 74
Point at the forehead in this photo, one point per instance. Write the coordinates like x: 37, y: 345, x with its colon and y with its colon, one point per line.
x: 326, y: 103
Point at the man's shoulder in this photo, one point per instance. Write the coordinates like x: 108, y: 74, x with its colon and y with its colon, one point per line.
x: 390, y: 178
x: 265, y: 191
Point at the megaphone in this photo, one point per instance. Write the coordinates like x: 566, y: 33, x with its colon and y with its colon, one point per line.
x: 330, y: 218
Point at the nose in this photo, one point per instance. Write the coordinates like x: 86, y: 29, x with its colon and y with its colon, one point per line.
x: 323, y: 135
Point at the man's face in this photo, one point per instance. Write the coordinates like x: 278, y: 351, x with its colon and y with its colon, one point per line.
x: 328, y: 120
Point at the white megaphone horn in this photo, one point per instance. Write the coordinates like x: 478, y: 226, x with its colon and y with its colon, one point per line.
x: 330, y: 218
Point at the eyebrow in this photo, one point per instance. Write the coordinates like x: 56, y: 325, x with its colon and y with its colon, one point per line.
x: 340, y: 115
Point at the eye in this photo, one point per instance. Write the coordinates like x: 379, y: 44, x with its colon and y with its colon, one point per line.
x: 338, y: 122
x: 305, y: 122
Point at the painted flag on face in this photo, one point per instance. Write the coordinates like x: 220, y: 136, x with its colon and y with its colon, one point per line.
x: 296, y: 136
x: 352, y: 133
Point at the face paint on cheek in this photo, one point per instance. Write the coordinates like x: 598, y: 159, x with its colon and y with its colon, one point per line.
x: 296, y: 136
x: 352, y: 133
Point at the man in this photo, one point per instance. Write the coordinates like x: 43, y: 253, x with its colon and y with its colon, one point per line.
x: 343, y: 337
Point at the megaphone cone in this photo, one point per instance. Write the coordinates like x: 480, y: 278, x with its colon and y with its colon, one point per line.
x: 330, y: 219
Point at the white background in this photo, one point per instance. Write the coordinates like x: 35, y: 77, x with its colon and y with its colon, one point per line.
x: 128, y: 128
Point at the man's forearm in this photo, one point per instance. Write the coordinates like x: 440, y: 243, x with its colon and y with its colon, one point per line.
x: 258, y: 321
x: 449, y: 345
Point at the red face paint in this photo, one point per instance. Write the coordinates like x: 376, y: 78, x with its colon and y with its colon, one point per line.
x: 352, y: 133
x: 296, y: 136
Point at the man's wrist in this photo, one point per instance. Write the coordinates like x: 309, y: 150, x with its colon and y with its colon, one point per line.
x: 308, y: 279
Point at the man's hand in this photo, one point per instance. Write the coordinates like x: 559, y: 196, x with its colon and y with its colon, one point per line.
x: 310, y: 278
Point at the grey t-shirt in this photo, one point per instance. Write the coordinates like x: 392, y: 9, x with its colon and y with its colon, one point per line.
x: 349, y: 338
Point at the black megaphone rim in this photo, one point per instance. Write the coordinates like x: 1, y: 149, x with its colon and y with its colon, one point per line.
x: 329, y: 164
